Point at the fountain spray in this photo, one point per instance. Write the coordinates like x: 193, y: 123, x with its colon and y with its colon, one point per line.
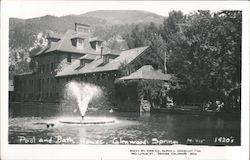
x: 83, y: 93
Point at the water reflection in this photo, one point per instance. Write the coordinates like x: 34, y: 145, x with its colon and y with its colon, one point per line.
x: 128, y: 126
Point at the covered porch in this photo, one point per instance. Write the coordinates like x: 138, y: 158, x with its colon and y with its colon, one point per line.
x: 144, y: 89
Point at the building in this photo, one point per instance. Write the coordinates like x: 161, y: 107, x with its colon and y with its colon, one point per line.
x: 77, y: 56
x: 130, y: 96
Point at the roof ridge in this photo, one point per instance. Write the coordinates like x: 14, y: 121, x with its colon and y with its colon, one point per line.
x: 136, y: 48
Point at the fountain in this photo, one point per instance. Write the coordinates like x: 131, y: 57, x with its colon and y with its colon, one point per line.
x: 83, y: 94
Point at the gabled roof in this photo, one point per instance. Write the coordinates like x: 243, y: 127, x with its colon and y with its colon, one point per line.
x: 65, y: 45
x: 148, y: 72
x: 125, y: 56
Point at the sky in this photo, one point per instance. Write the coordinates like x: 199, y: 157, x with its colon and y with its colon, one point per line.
x: 36, y: 8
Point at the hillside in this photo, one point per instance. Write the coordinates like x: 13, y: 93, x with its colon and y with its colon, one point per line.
x: 101, y: 21
x: 125, y: 16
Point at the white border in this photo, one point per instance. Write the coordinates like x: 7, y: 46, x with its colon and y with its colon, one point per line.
x: 122, y: 152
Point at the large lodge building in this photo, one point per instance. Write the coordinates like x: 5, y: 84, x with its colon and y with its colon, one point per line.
x: 76, y: 56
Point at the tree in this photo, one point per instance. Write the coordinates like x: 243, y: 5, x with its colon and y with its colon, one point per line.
x: 203, y: 48
x: 19, y: 56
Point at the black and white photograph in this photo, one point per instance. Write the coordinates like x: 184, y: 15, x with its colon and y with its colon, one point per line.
x: 125, y: 76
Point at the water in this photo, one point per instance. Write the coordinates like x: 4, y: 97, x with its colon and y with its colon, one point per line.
x: 82, y: 93
x: 27, y: 127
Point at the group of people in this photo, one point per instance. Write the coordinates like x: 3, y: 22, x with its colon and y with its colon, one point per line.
x: 215, y: 106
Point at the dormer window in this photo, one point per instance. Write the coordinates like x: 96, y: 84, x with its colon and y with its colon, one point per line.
x: 96, y: 44
x: 105, y: 59
x: 82, y: 63
x: 108, y: 57
x: 80, y: 43
x: 86, y: 59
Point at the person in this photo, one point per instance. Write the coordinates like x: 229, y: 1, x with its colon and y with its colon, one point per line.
x: 208, y: 105
x: 205, y: 106
x: 220, y: 105
x: 213, y: 106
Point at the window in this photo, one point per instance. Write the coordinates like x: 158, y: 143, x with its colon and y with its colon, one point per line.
x: 82, y: 64
x: 82, y: 29
x: 39, y: 85
x: 80, y: 43
x: 69, y: 58
x: 48, y: 80
x: 39, y: 69
x: 57, y: 95
x: 98, y: 76
x: 105, y: 59
x: 43, y: 70
x: 47, y: 67
x: 51, y: 66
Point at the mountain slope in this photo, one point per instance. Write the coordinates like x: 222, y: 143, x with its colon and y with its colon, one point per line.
x: 125, y: 16
x: 104, y: 24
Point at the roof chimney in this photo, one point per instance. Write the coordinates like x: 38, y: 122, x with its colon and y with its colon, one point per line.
x: 101, y: 51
